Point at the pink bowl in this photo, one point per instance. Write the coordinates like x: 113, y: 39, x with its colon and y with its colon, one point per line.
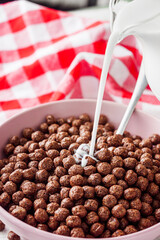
x: 140, y: 124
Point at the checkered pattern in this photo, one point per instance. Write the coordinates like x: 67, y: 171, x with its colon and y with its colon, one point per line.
x: 48, y: 55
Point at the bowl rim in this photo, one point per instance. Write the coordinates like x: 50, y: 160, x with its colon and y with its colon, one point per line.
x: 122, y: 105
x: 44, y: 234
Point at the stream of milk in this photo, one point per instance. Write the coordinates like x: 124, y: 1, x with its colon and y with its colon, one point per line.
x: 140, y: 18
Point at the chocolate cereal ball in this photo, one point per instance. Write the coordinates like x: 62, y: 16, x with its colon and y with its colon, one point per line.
x: 79, y: 211
x: 109, y: 180
x: 52, y: 187
x: 142, y: 183
x: 41, y: 215
x: 89, y: 192
x: 157, y: 214
x: 39, y: 203
x: 146, y: 209
x: 136, y: 204
x: 68, y: 162
x: 64, y: 193
x: 130, y: 193
x: 133, y: 215
x: 92, y: 217
x: 88, y: 170
x: 67, y: 203
x: 104, y: 213
x: 121, y: 151
x: 94, y: 179
x: 97, y: 229
x: 91, y: 205
x: 109, y: 201
x: 9, y: 148
x: 10, y: 187
x: 16, y: 176
x: 13, y: 236
x: 103, y: 168
x: 106, y: 234
x: 4, y: 179
x: 75, y: 169
x: 76, y: 193
x: 54, y: 198
x: 42, y: 194
x: 46, y: 164
x: 157, y: 178
x: 63, y: 230
x: 153, y: 189
x: 147, y: 198
x: 76, y: 180
x: 152, y: 220
x: 2, y: 226
x: 144, y: 223
x: 51, y: 178
x: 30, y: 219
x: 116, y: 161
x: 26, y: 203
x: 51, y: 208
x: 4, y: 199
x: 37, y: 136
x: 29, y: 188
x: 19, y: 212
x: 130, y: 229
x: 101, y: 191
x: 130, y: 163
x: 27, y: 132
x: 118, y: 211
x: 42, y: 226
x: 118, y: 233
x: 20, y: 165
x: 103, y: 155
x: 118, y: 172
x: 124, y: 202
x: 52, y: 153
x: 14, y: 140
x: 122, y: 183
x: 57, y: 161
x: 123, y: 223
x: 52, y: 223
x: 77, y: 232
x: 73, y: 221
x: 85, y: 227
x: 115, y: 140
x: 29, y: 174
x: 130, y: 177
x: 116, y: 190
x: 61, y: 214
x: 112, y: 224
x: 60, y: 171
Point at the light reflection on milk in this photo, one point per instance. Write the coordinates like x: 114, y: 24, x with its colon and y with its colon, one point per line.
x: 140, y: 18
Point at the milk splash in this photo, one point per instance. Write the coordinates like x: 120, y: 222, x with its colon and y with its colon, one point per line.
x: 140, y: 18
x: 82, y: 153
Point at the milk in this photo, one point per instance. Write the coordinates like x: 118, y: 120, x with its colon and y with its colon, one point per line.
x: 106, y: 63
x: 140, y: 18
x: 146, y: 27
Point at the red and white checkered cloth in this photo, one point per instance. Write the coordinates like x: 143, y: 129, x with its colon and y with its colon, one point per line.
x: 48, y: 55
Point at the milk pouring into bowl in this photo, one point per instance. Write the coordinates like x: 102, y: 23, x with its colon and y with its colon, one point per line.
x: 140, y: 18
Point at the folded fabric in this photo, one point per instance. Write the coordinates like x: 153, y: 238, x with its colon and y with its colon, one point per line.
x: 48, y: 55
